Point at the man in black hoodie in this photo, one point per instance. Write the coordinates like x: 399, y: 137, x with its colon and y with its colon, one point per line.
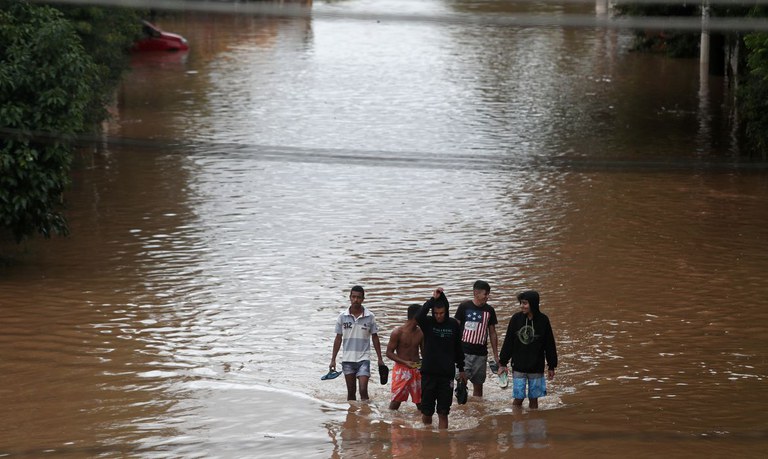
x: 442, y: 353
x: 528, y: 343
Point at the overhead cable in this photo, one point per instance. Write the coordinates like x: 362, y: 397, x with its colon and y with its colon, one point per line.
x: 293, y: 10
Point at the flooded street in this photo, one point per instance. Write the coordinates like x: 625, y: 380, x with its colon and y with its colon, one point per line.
x: 243, y: 187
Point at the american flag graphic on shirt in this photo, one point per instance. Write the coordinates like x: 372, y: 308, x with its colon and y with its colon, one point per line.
x: 475, y: 326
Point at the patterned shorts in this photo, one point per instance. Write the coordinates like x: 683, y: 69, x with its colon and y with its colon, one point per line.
x: 406, y: 381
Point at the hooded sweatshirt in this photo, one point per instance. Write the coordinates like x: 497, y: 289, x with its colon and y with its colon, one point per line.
x: 529, y: 341
x: 442, y: 341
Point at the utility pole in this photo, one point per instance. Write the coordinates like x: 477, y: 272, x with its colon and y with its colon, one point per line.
x: 601, y: 7
x: 704, y: 115
x: 704, y: 44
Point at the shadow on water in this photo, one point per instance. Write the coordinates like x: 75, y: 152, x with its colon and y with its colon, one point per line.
x: 476, y: 160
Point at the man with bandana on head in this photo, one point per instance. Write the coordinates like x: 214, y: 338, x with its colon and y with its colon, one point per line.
x: 529, y: 342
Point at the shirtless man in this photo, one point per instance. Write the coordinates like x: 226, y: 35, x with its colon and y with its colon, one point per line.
x: 404, y: 348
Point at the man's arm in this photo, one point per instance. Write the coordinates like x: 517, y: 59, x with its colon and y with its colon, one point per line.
x: 336, y: 347
x: 458, y: 352
x: 494, y: 341
x: 421, y: 346
x: 460, y: 315
x: 392, y: 346
x: 421, y: 315
x: 550, y: 350
x: 506, y: 349
x: 377, y: 347
x: 394, y: 341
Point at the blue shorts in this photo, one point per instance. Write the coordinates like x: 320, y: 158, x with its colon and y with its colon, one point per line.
x: 358, y: 369
x: 537, y: 385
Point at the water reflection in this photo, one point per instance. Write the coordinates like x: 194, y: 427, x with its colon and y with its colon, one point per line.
x: 359, y: 433
x: 364, y: 426
x: 531, y: 433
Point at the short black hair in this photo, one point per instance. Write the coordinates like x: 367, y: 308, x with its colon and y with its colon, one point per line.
x: 413, y: 309
x: 532, y: 297
x: 357, y: 288
x: 440, y: 305
x: 482, y: 285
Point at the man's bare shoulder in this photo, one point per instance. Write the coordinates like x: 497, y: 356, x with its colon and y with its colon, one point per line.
x: 412, y: 332
x: 406, y: 331
x: 397, y: 331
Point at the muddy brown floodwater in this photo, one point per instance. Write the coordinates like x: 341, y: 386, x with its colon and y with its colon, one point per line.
x: 242, y: 188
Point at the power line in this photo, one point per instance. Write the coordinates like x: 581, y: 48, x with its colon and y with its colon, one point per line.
x: 291, y: 10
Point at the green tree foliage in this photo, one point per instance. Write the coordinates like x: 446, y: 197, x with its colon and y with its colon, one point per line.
x: 106, y: 34
x: 757, y: 44
x: 59, y: 68
x: 753, y: 94
x: 673, y: 43
x: 46, y: 79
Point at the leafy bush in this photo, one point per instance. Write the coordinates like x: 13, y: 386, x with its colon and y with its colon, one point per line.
x: 46, y: 79
x: 106, y: 35
x: 672, y: 43
x: 753, y: 93
x: 59, y: 67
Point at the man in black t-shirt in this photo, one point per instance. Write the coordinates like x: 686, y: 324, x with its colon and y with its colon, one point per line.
x: 442, y: 355
x: 478, y: 322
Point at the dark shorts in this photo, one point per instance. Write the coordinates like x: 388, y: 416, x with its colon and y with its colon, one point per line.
x: 436, y: 390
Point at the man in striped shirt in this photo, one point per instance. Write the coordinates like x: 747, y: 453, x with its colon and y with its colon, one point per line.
x: 355, y: 329
x: 478, y: 322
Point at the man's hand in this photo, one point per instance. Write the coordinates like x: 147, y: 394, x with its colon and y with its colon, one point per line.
x: 551, y: 374
x: 437, y: 293
x: 463, y: 377
x: 503, y: 369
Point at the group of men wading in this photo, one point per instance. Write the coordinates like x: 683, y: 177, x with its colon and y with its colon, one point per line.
x: 430, y: 351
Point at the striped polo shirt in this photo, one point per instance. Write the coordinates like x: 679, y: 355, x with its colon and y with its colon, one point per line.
x: 356, y: 335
